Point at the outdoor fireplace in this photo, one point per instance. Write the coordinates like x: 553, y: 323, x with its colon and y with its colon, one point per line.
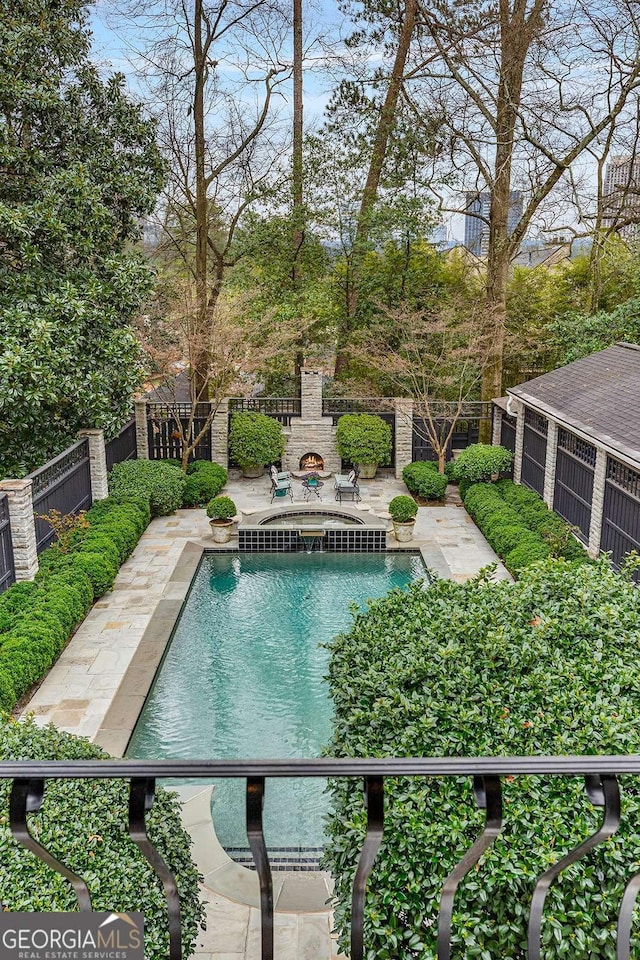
x: 311, y: 461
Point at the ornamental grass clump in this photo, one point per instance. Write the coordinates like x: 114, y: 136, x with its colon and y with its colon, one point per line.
x: 544, y: 666
x: 84, y: 823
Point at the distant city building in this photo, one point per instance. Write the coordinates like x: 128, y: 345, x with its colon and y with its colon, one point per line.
x: 621, y: 196
x: 477, y: 215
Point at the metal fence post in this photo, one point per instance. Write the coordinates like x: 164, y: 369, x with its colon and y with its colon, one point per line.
x: 142, y: 430
x: 23, y: 527
x: 97, y: 463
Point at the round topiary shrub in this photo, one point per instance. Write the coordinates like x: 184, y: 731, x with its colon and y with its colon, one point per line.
x: 544, y: 666
x: 423, y: 479
x: 403, y: 509
x: 84, y: 824
x: 364, y: 438
x: 221, y: 508
x: 255, y: 440
x: 161, y: 484
x: 480, y: 462
x: 204, y: 481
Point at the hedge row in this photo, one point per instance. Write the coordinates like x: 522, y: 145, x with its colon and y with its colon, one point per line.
x: 165, y: 486
x: 37, y: 618
x: 519, y: 525
x: 422, y: 479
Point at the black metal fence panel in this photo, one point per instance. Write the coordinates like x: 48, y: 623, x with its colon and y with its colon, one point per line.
x: 123, y: 447
x: 508, y: 432
x: 7, y: 569
x: 621, y: 513
x: 573, y: 491
x: 466, y: 430
x: 534, y: 451
x: 168, y: 422
x: 280, y: 408
x: 63, y: 484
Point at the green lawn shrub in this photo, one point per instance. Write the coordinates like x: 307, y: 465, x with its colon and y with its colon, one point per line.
x: 480, y: 461
x: 84, y: 824
x: 160, y: 483
x: 205, y: 480
x: 37, y: 618
x: 364, y: 438
x: 403, y: 509
x: 543, y: 666
x: 423, y: 479
x: 221, y: 508
x: 519, y: 526
x: 255, y: 439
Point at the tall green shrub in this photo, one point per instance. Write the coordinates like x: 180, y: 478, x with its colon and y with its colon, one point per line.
x: 547, y: 665
x: 480, y: 462
x: 423, y: 479
x: 85, y: 824
x: 363, y: 438
x: 255, y: 440
x: 161, y: 484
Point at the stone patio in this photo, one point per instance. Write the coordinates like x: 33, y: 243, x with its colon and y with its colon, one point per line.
x: 98, y: 686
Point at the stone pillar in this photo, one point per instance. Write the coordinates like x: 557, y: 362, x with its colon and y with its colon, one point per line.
x: 23, y: 527
x: 97, y: 463
x: 404, y: 433
x: 496, y: 436
x: 550, y: 463
x: 311, y: 394
x: 597, y: 502
x: 220, y: 435
x: 142, y: 430
x: 517, y: 457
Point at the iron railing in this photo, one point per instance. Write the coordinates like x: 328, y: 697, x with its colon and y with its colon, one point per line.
x: 63, y: 484
x: 452, y: 410
x: 342, y: 405
x: 600, y: 775
x: 123, y: 446
x: 280, y: 408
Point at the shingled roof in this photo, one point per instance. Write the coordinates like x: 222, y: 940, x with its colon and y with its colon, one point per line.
x: 598, y: 396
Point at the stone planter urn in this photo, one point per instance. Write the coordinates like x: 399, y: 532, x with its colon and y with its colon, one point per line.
x: 403, y: 532
x: 221, y: 530
x: 253, y: 471
x: 367, y: 471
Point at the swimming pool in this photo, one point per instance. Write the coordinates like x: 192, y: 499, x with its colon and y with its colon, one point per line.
x: 243, y: 676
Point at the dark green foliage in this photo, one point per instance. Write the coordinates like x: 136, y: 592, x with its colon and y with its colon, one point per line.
x: 543, y: 666
x: 84, y: 823
x: 255, y: 440
x: 161, y: 484
x: 480, y: 461
x: 519, y: 526
x: 363, y: 438
x: 204, y: 481
x: 403, y: 509
x: 423, y: 479
x: 221, y: 508
x: 36, y: 619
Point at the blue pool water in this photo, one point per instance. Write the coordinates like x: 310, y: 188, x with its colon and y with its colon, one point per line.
x: 243, y: 675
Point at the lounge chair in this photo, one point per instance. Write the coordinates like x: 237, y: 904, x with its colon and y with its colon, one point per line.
x: 347, y: 486
x: 279, y: 488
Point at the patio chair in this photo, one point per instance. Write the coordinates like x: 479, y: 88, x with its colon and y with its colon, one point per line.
x: 348, y: 488
x: 279, y: 488
x: 280, y: 474
x: 312, y: 484
x: 347, y: 478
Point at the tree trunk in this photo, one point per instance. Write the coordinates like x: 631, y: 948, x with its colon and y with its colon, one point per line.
x: 370, y: 192
x: 297, y: 177
x: 200, y: 373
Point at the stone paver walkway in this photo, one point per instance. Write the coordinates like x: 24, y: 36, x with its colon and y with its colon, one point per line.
x: 103, y: 657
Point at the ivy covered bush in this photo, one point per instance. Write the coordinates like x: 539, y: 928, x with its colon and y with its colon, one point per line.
x: 37, y: 618
x: 519, y: 525
x: 544, y: 666
x: 363, y: 438
x: 157, y: 481
x: 255, y: 440
x: 423, y: 479
x: 84, y: 824
x: 204, y: 481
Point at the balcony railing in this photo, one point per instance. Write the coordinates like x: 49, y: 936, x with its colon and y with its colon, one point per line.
x: 600, y: 775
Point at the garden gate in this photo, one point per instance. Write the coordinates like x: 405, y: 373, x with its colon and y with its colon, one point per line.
x: 165, y: 441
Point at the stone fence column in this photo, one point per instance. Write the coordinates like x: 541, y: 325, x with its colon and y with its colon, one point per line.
x: 220, y: 435
x: 404, y: 433
x: 23, y: 527
x: 142, y: 430
x: 496, y: 436
x: 97, y: 463
x: 550, y: 464
x: 517, y: 457
x: 597, y: 502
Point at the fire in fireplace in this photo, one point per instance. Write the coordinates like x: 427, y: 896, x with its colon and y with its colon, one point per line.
x: 311, y: 461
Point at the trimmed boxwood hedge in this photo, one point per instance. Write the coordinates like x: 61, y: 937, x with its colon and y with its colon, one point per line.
x: 544, y: 666
x: 36, y: 619
x: 205, y: 480
x: 423, y: 479
x: 84, y: 824
x: 159, y: 482
x: 519, y: 525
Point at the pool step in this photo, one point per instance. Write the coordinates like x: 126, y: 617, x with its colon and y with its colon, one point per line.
x: 283, y: 858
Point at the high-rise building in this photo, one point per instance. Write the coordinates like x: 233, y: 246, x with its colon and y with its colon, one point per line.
x: 476, y: 219
x: 621, y: 196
